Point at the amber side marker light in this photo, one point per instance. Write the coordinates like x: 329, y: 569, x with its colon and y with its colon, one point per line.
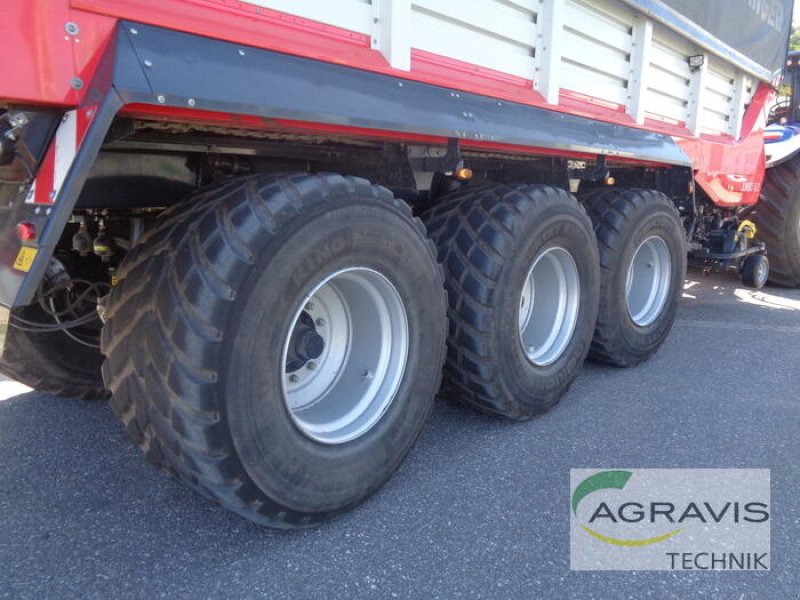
x: 463, y: 174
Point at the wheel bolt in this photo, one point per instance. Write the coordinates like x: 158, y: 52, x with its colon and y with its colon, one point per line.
x: 320, y: 322
x: 311, y: 365
x: 293, y: 378
x: 309, y: 306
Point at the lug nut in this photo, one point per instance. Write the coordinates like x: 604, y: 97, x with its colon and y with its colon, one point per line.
x: 320, y: 322
x: 309, y: 306
x: 293, y: 379
x: 311, y: 365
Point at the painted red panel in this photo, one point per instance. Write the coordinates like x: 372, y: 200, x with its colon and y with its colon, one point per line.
x: 247, y: 24
x: 41, y: 58
x: 88, y: 46
x: 584, y: 105
x: 48, y: 59
x: 36, y: 56
x: 730, y: 173
x: 44, y: 178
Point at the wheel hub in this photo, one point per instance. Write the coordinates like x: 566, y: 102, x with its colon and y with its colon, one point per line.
x: 648, y: 281
x: 305, y: 344
x: 345, y: 355
x: 548, y: 307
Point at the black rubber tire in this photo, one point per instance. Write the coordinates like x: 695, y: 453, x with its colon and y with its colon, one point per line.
x: 51, y: 362
x: 623, y: 219
x: 755, y: 271
x: 777, y: 217
x: 487, y: 238
x: 195, y: 329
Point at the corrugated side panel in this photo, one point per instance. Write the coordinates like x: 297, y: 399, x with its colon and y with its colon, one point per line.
x: 597, y: 46
x: 718, y: 98
x: 720, y: 91
x: 669, y: 84
x: 674, y: 92
x: 355, y: 15
x: 597, y: 51
x: 496, y: 34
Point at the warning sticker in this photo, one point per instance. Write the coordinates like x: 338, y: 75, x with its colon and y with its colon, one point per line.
x: 25, y: 258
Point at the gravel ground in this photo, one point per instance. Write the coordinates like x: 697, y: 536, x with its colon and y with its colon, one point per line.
x: 479, y: 509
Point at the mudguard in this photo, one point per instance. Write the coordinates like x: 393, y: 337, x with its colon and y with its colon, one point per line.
x: 144, y: 64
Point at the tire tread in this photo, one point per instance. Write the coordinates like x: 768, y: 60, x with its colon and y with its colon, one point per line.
x: 610, y: 210
x: 779, y: 195
x: 474, y: 231
x: 165, y: 385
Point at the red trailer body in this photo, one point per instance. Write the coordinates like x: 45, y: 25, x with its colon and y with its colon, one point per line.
x: 730, y: 170
x: 270, y: 229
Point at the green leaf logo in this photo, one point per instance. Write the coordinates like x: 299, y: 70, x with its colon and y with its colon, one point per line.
x: 616, y: 480
x: 599, y: 481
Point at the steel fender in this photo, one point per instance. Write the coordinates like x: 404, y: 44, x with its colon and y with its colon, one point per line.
x: 154, y: 66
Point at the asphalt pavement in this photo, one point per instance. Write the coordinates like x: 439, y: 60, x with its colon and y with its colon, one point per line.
x: 480, y: 509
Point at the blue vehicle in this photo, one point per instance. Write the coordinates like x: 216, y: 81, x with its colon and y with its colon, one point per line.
x: 778, y: 212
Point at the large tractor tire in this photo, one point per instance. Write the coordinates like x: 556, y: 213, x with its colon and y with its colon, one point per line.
x: 62, y: 363
x: 276, y: 343
x: 521, y: 273
x: 777, y: 216
x: 643, y: 252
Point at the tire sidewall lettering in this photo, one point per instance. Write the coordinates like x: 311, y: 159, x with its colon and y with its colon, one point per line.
x: 262, y: 425
x: 530, y: 380
x: 662, y: 225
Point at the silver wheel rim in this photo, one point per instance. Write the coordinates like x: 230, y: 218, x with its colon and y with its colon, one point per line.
x: 648, y: 282
x: 336, y: 394
x: 548, y: 306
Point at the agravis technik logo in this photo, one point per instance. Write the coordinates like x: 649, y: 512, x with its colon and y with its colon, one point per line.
x: 675, y: 519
